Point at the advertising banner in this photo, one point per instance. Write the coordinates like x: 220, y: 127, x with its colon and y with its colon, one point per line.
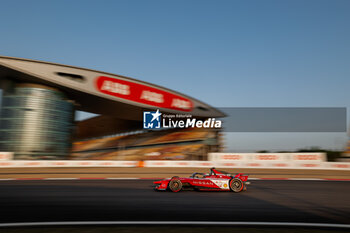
x: 6, y: 156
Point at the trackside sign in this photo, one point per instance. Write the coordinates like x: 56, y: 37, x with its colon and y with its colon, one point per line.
x: 6, y: 156
x: 143, y: 94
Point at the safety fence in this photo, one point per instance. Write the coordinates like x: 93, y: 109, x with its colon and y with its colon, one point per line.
x: 222, y: 160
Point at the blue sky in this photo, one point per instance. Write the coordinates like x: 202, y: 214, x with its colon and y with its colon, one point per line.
x: 226, y: 53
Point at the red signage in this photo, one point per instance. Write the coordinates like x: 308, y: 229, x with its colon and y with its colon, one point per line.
x: 267, y: 157
x: 142, y: 94
x: 307, y: 157
x: 232, y: 157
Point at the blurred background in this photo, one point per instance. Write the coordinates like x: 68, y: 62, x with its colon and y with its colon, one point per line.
x: 77, y: 76
x: 231, y: 54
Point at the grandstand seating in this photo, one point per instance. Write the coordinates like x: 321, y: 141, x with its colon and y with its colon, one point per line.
x: 168, y: 144
x: 170, y: 152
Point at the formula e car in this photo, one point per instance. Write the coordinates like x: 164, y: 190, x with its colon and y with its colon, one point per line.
x: 214, y: 181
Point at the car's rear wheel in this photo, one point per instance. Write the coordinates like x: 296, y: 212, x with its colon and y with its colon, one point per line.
x: 236, y: 185
x: 175, y: 184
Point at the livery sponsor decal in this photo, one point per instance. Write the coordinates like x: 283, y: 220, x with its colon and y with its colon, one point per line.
x: 223, y: 184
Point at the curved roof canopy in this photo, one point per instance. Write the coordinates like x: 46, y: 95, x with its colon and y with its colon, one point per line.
x: 104, y: 93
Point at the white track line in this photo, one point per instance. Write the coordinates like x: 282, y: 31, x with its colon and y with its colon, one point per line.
x: 283, y: 224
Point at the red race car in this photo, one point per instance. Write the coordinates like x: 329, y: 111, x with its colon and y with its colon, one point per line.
x: 214, y: 181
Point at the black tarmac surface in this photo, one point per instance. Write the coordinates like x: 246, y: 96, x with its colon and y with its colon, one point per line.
x: 135, y: 200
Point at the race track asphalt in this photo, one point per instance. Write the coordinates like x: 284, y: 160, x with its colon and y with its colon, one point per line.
x: 135, y: 200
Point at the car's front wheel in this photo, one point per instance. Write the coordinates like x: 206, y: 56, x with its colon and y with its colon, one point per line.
x: 175, y: 184
x: 236, y: 185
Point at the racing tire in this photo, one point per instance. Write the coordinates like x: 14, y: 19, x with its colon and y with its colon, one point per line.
x: 175, y: 185
x: 236, y: 185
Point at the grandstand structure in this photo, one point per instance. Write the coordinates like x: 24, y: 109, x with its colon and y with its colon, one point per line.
x: 175, y: 144
x: 39, y: 100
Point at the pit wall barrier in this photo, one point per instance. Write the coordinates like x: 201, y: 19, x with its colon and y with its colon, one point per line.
x: 179, y: 164
x: 219, y: 160
x: 276, y: 160
x: 273, y: 157
x: 67, y: 163
x: 257, y: 165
